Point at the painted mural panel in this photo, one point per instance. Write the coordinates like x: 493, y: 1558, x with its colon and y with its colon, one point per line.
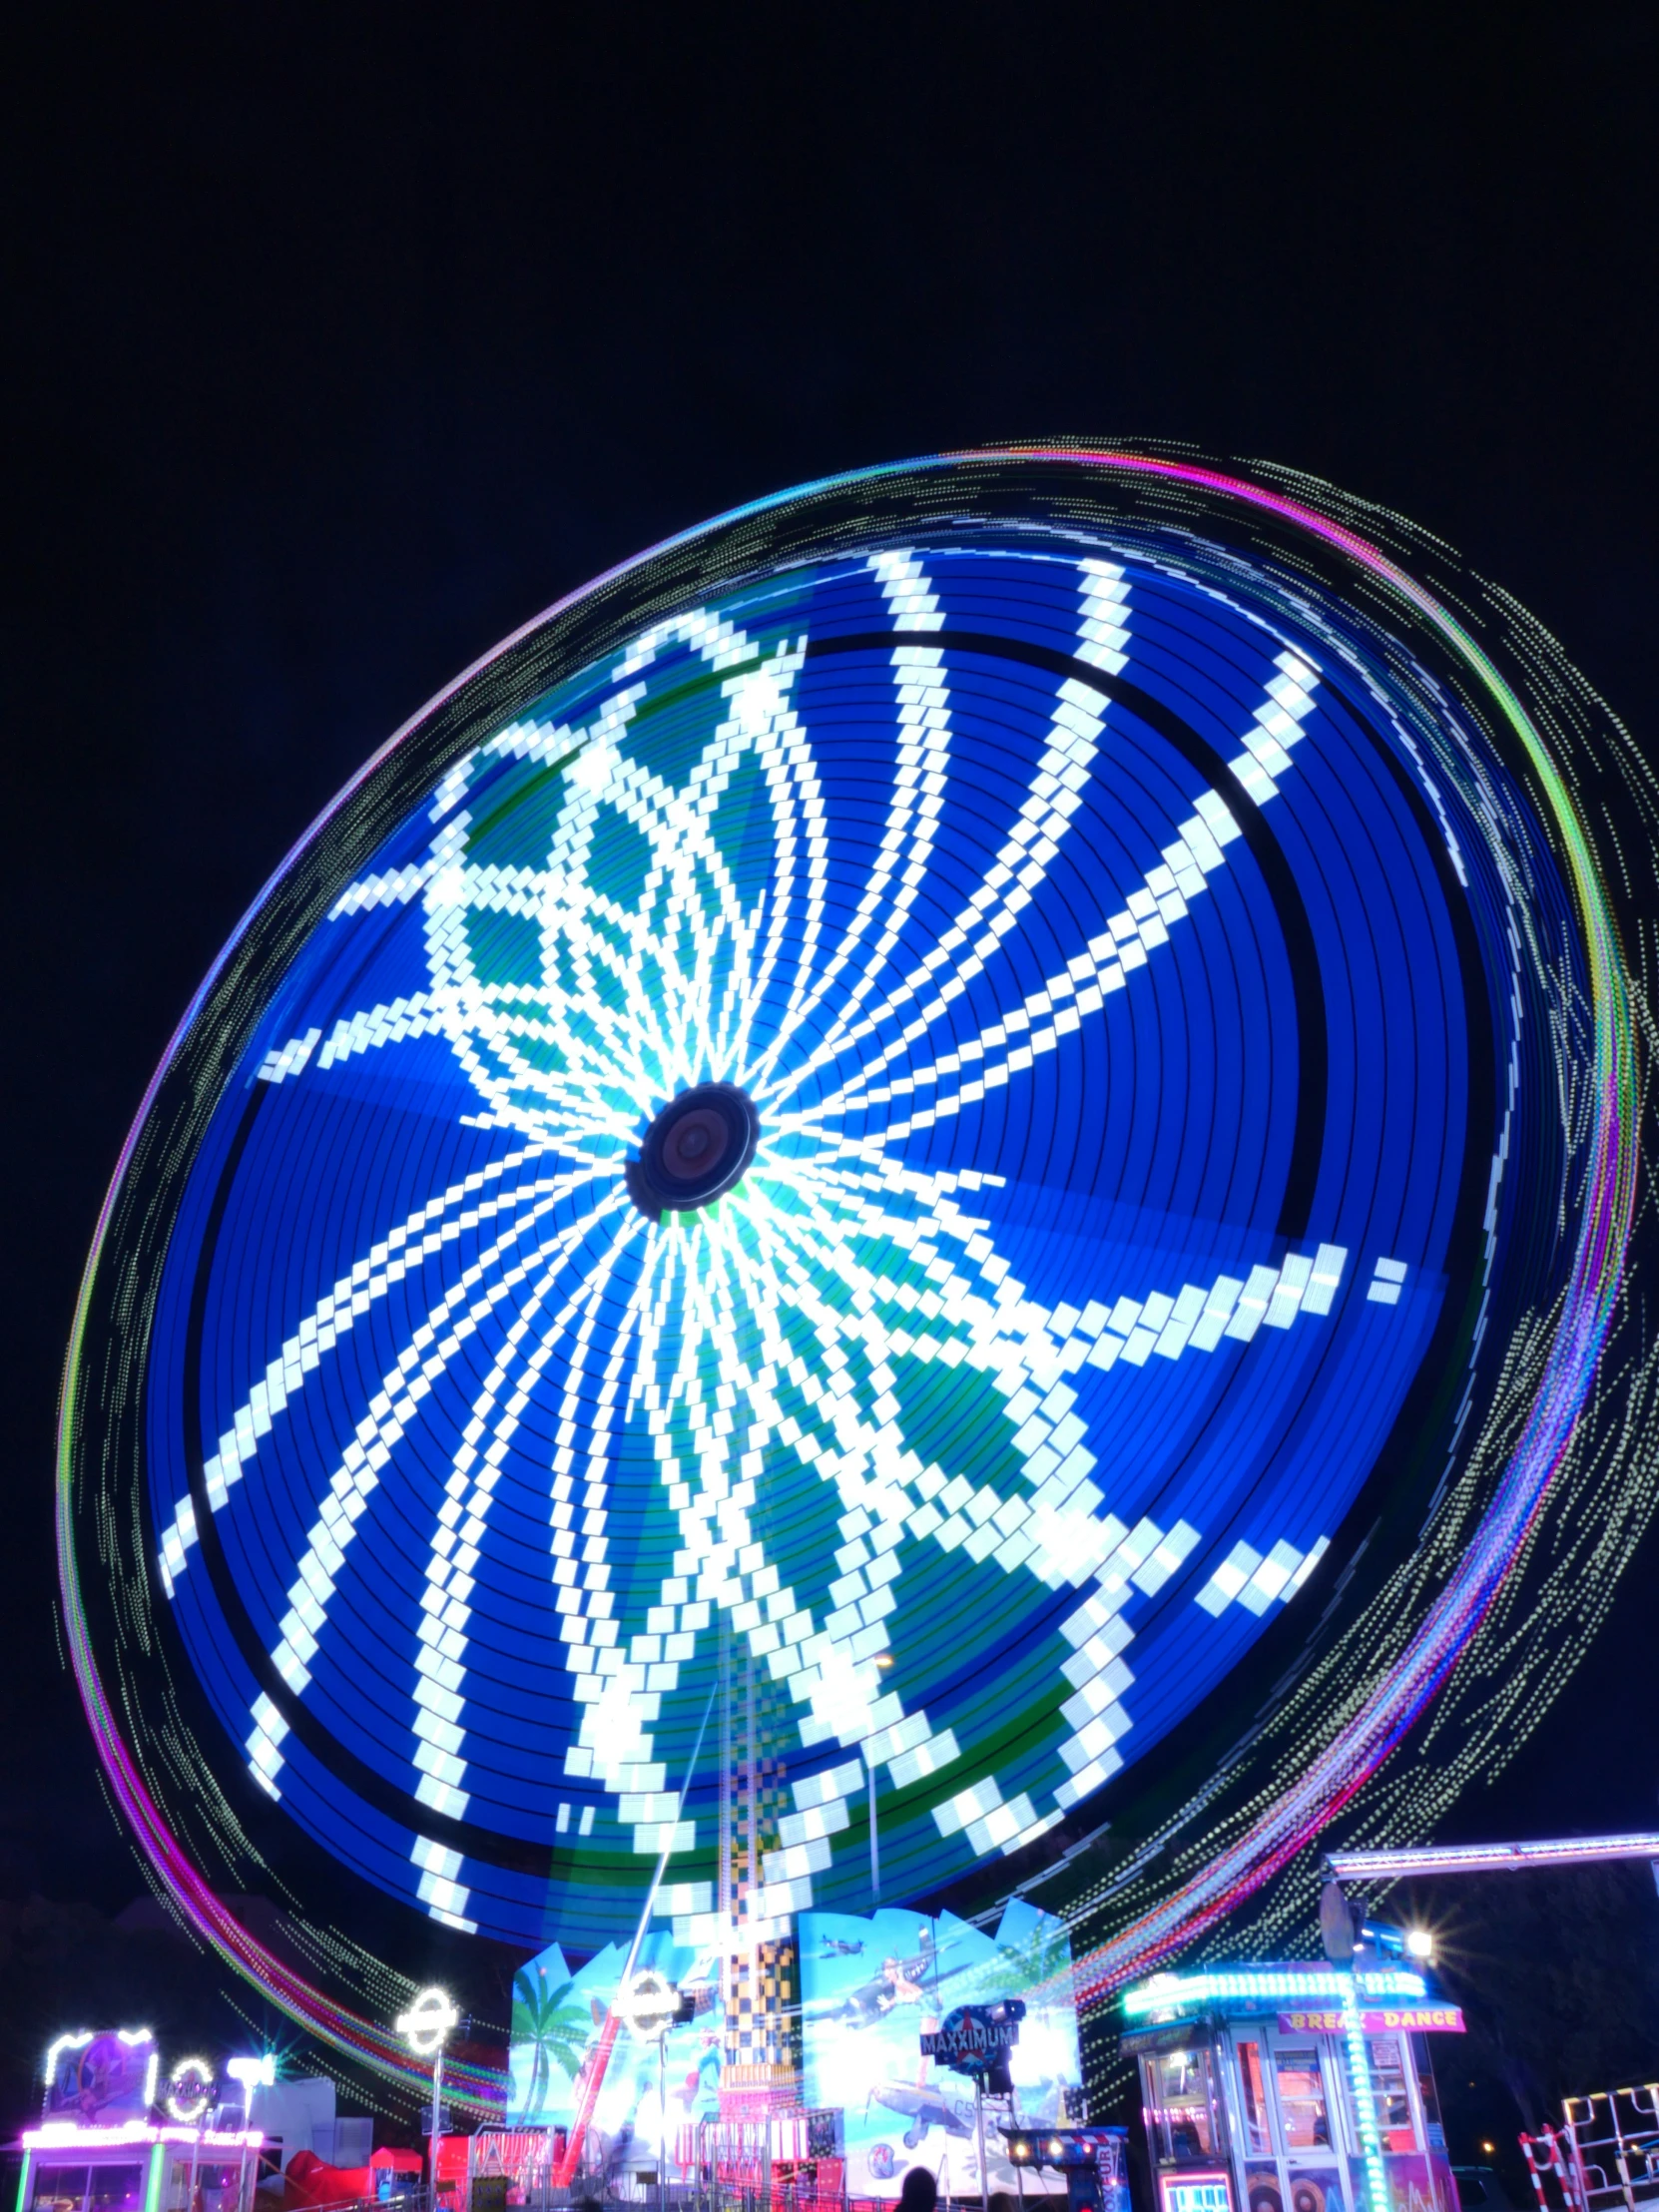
x: 871, y: 1988
x: 104, y: 2079
x: 559, y: 2049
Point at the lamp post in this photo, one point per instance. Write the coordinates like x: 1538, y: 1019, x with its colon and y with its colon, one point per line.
x: 427, y: 2027
x: 875, y: 1846
x: 251, y: 2073
x: 651, y: 2005
x: 883, y: 1660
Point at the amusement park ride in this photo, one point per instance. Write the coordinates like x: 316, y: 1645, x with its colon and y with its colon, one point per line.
x: 787, y: 1238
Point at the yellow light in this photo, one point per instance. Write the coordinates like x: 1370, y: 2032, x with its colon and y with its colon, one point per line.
x: 1419, y: 1944
x: 1488, y: 2148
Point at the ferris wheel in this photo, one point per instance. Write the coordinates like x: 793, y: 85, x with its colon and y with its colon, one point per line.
x: 911, y: 1118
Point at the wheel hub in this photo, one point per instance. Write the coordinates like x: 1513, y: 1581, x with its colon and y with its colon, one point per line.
x: 694, y: 1150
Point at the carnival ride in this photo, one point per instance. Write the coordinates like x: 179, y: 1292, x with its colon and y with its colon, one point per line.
x: 902, y: 1122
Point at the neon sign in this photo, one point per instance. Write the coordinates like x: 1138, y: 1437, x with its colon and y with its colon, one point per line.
x: 427, y: 2022
x: 66, y: 2135
x: 1171, y: 1993
x: 190, y: 2089
x: 95, y: 2075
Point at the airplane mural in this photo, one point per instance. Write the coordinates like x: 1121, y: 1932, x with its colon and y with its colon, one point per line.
x: 871, y: 1987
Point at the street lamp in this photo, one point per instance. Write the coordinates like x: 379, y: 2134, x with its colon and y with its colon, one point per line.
x: 425, y: 2027
x: 251, y: 2073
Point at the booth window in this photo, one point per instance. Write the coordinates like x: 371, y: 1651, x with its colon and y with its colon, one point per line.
x: 1258, y: 2142
x: 1393, y: 2099
x: 116, y: 2189
x: 218, y: 2189
x: 1184, y: 2104
x: 1302, y: 2113
x: 59, y: 2188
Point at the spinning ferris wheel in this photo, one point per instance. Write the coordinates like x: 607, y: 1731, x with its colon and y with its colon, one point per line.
x: 917, y: 1105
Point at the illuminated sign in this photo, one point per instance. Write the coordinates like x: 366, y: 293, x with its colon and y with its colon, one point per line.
x: 427, y: 2022
x: 1258, y: 1985
x: 1427, y: 2019
x: 65, y: 2135
x: 649, y: 2004
x: 974, y: 2037
x: 106, y: 2078
x: 190, y: 2089
x: 253, y: 2073
x: 1194, y: 2192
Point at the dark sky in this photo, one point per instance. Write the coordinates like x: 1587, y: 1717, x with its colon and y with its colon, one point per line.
x: 341, y: 340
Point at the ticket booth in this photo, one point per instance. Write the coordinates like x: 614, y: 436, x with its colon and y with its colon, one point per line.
x: 1292, y: 2089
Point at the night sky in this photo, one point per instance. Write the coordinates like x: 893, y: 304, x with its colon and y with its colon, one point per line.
x: 341, y: 341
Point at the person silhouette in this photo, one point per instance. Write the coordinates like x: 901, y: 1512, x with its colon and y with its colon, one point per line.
x: 919, y: 2193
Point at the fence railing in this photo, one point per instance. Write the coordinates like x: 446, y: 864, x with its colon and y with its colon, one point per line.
x: 1604, y: 2157
x: 711, y: 2191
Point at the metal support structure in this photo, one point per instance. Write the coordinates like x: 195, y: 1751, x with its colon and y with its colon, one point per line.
x: 426, y: 2026
x: 726, y: 1899
x: 874, y: 1847
x: 1435, y: 1859
x: 1604, y: 2157
x: 662, y: 2121
x: 1428, y: 1859
x: 607, y: 2035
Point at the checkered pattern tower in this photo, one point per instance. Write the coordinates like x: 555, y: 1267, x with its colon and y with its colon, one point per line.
x: 760, y: 2069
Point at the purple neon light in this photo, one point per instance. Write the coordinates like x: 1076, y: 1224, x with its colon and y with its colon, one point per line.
x: 65, y: 2135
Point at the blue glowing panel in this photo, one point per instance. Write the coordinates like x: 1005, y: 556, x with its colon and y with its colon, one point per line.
x: 1080, y: 950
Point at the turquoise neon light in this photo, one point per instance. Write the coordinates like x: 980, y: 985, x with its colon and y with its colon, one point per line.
x: 1364, y: 2103
x: 1223, y: 1986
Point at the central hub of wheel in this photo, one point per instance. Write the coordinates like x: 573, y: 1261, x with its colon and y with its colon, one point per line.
x: 694, y: 1150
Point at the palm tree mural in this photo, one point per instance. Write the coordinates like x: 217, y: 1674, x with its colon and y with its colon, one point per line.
x: 547, y: 2028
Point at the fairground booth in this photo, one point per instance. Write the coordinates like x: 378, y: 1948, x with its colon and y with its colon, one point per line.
x: 1292, y: 2088
x: 125, y: 2129
x: 116, y: 2135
